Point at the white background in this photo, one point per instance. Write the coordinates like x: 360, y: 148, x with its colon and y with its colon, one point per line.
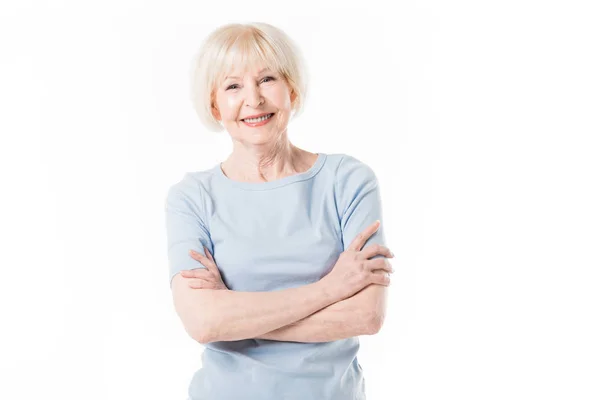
x: 480, y: 120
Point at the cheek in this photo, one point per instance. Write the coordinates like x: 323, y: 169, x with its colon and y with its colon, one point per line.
x: 231, y: 102
x: 284, y: 99
x: 232, y: 108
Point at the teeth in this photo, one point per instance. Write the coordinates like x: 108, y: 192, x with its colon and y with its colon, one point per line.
x: 253, y: 120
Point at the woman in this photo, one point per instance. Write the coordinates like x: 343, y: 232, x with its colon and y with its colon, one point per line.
x: 276, y: 257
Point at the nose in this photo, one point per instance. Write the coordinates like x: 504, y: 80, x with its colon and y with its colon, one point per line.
x: 254, y: 97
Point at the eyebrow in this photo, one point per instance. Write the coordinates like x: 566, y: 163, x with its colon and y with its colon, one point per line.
x: 237, y: 77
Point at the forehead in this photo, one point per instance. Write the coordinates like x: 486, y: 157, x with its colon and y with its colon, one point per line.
x: 242, y: 62
x: 240, y: 73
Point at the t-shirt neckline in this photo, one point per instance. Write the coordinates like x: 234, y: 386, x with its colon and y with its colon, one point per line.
x: 309, y: 173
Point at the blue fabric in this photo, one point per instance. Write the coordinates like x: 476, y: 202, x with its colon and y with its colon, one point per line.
x: 271, y: 236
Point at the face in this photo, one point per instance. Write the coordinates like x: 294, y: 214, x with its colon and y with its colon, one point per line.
x: 243, y: 94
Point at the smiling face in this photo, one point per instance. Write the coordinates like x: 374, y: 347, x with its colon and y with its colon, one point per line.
x: 257, y: 91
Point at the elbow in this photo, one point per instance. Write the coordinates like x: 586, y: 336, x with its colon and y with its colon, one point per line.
x: 374, y: 323
x: 200, y: 329
x: 202, y: 336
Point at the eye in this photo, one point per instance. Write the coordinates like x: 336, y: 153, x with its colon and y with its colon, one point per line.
x: 265, y: 79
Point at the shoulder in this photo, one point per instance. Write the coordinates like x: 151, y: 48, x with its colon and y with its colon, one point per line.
x: 192, y: 180
x: 193, y: 183
x: 189, y: 191
x: 354, y: 180
x: 350, y: 170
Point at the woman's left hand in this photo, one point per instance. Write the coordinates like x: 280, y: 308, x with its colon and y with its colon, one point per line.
x: 209, y: 278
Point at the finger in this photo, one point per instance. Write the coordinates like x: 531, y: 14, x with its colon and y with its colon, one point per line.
x: 214, y: 269
x: 201, y: 273
x: 203, y: 260
x: 197, y: 255
x: 207, y: 252
x: 196, y: 273
x: 381, y: 277
x: 376, y: 249
x: 360, y: 240
x: 201, y: 284
x: 379, y: 263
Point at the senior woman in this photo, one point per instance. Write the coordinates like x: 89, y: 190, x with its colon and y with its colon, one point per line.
x: 276, y: 256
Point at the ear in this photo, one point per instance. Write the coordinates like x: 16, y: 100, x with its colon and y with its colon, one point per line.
x: 215, y: 112
x: 293, y: 96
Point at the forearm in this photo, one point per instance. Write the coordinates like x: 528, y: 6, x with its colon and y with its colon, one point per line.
x: 241, y: 315
x: 341, y: 320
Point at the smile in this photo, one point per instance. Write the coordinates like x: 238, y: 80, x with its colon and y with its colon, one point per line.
x: 258, y: 121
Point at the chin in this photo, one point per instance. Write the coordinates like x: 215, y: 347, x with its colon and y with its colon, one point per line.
x: 255, y: 137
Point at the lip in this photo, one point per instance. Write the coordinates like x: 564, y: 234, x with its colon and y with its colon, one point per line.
x: 257, y: 115
x: 258, y: 124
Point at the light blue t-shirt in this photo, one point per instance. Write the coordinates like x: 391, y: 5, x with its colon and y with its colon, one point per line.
x: 271, y: 236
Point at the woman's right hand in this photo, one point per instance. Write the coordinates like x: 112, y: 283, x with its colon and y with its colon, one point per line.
x: 354, y: 270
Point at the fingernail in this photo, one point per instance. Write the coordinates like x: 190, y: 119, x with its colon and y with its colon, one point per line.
x: 193, y: 252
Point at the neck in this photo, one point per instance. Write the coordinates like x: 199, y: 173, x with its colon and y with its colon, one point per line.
x: 266, y: 163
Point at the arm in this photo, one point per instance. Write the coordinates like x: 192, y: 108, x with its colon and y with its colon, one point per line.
x: 354, y: 316
x: 226, y: 315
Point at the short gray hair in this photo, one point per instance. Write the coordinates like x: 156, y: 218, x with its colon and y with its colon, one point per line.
x: 245, y: 45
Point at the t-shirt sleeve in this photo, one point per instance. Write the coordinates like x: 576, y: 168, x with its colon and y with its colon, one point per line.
x: 185, y: 227
x: 359, y: 203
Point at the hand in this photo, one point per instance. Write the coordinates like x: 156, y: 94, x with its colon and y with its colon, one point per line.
x: 209, y: 278
x: 354, y: 270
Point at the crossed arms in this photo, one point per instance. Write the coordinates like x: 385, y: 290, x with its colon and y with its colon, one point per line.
x: 305, y: 314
